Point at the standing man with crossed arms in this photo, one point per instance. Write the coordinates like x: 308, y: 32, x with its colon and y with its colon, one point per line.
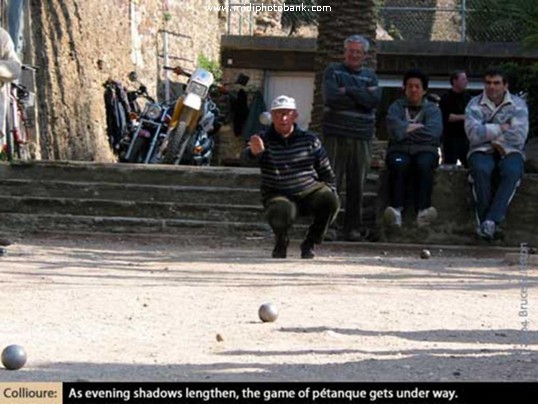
x: 351, y: 95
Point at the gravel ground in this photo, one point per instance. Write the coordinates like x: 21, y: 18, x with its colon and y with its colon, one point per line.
x: 112, y: 309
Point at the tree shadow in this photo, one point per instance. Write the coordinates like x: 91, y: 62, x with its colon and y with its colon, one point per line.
x: 407, y: 367
x: 154, y: 265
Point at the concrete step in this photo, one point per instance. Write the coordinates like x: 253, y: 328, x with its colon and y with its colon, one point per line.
x: 129, y: 192
x: 55, y: 223
x: 79, y: 197
x: 138, y: 192
x: 132, y: 173
x: 142, y: 209
x: 164, y: 175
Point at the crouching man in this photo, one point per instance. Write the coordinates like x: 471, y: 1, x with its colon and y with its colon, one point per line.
x: 296, y: 178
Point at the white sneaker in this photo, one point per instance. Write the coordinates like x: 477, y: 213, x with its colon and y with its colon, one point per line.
x: 426, y: 216
x: 393, y: 216
x: 487, y: 230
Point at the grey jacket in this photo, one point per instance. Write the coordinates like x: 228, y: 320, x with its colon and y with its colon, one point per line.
x: 427, y: 138
x: 483, y: 121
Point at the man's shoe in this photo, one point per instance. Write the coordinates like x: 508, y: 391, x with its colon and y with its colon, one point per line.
x: 487, y: 230
x: 426, y: 216
x: 393, y: 217
x: 307, y: 250
x: 4, y: 242
x: 281, y: 247
x: 3, y: 252
x: 331, y: 235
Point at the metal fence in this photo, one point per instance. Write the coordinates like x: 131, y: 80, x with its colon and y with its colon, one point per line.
x: 412, y: 20
x: 445, y: 20
x: 423, y: 20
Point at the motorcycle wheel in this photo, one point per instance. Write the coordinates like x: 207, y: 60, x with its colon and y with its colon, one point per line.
x: 137, y: 155
x: 177, y: 145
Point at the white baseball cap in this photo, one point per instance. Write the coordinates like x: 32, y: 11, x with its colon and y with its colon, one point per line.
x: 283, y: 102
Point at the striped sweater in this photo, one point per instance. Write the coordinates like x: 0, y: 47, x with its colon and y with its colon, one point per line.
x: 292, y: 166
x: 351, y: 114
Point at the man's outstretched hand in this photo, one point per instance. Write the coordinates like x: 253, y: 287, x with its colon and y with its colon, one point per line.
x: 256, y: 145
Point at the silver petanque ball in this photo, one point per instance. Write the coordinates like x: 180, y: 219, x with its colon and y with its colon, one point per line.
x: 13, y: 357
x: 265, y: 118
x: 425, y: 254
x: 268, y: 312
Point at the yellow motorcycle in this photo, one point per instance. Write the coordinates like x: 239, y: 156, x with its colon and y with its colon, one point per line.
x: 194, y: 116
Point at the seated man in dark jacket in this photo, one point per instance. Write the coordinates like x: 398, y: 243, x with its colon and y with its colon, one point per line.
x: 415, y: 127
x: 296, y: 177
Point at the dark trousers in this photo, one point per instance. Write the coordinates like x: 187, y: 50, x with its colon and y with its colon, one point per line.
x: 322, y: 203
x: 494, y: 183
x: 419, y: 168
x: 350, y: 159
x: 455, y: 149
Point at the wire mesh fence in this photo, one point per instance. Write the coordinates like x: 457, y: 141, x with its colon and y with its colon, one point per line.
x: 446, y: 20
x: 408, y: 20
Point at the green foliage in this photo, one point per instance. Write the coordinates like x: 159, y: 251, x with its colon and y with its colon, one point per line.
x: 210, y: 65
x: 523, y: 80
x: 503, y: 21
x: 292, y: 20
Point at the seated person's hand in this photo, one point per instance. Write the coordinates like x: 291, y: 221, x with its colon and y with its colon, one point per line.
x: 414, y: 126
x: 499, y: 147
x: 505, y: 126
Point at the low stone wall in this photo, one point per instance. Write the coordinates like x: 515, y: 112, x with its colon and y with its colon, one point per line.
x: 456, y: 223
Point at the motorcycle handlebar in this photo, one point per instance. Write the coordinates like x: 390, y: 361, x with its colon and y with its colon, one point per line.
x: 222, y: 88
x: 29, y: 67
x: 177, y: 70
x: 143, y: 92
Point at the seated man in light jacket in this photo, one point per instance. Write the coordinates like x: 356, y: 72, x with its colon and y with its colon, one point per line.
x: 497, y: 125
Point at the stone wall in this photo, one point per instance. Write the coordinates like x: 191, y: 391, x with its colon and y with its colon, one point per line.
x: 80, y: 44
x: 456, y: 223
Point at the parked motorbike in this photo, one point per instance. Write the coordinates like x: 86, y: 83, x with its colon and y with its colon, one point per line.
x: 122, y: 112
x: 149, y: 133
x: 195, y: 119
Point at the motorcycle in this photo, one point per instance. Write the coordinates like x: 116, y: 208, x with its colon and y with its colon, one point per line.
x: 195, y: 119
x: 122, y: 113
x: 149, y: 133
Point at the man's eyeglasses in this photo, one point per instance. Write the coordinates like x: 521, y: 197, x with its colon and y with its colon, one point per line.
x: 283, y: 112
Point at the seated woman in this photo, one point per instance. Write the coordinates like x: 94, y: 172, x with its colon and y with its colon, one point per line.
x: 415, y: 127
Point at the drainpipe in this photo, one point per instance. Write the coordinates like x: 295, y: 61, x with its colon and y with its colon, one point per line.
x: 463, y: 20
x: 166, y: 62
x: 15, y: 21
